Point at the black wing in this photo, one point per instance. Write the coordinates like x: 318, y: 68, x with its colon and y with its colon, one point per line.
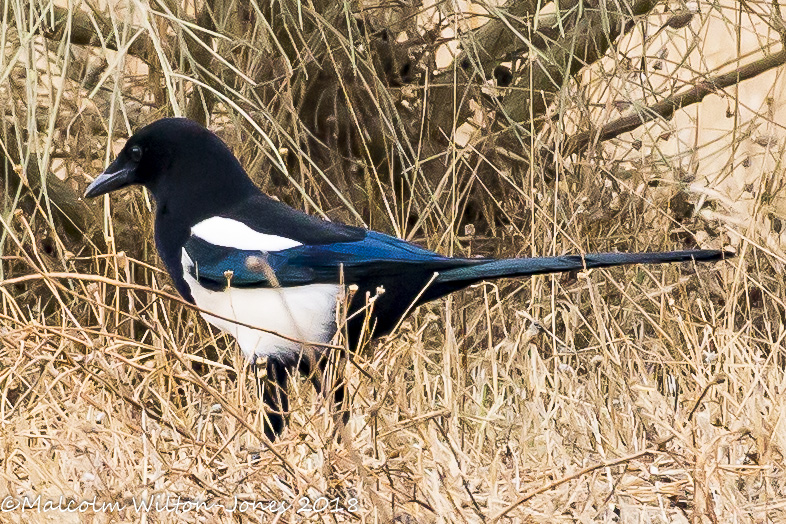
x: 266, y: 215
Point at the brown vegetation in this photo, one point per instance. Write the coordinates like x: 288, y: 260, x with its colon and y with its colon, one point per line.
x: 644, y: 394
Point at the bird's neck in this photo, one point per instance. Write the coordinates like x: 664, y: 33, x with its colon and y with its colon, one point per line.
x: 177, y: 213
x: 189, y: 204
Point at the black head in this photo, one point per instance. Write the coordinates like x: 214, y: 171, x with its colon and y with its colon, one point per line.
x: 181, y: 163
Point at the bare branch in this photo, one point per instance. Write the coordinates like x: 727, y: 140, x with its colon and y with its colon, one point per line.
x: 666, y: 108
x: 85, y: 32
x: 585, y: 44
x: 494, y: 41
x: 562, y: 46
x: 67, y: 203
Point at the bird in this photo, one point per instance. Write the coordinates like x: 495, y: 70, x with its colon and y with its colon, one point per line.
x: 273, y: 276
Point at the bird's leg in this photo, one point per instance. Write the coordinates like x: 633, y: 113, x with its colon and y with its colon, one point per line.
x: 307, y: 370
x: 275, y: 397
x: 339, y: 394
x: 255, y: 365
x: 331, y: 386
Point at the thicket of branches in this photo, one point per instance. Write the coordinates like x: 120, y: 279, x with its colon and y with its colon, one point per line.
x: 352, y: 95
x: 514, y: 129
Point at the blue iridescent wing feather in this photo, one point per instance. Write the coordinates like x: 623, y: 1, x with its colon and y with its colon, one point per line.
x: 376, y: 254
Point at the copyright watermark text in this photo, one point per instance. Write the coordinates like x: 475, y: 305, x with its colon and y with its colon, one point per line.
x: 177, y: 504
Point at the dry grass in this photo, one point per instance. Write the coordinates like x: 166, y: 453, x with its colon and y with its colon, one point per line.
x: 643, y: 394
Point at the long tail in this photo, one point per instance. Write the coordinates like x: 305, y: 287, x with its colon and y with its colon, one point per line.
x: 518, y: 267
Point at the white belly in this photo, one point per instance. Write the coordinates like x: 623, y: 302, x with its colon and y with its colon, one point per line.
x: 305, y: 314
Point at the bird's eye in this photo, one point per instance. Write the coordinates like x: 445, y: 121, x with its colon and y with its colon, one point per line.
x: 135, y: 153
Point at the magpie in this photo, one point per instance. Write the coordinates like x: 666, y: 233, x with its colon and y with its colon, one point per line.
x: 273, y: 277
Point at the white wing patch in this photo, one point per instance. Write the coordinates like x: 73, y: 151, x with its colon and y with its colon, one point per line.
x: 302, y: 313
x: 222, y: 231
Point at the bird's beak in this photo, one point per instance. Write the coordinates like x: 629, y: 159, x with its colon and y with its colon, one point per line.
x: 118, y: 174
